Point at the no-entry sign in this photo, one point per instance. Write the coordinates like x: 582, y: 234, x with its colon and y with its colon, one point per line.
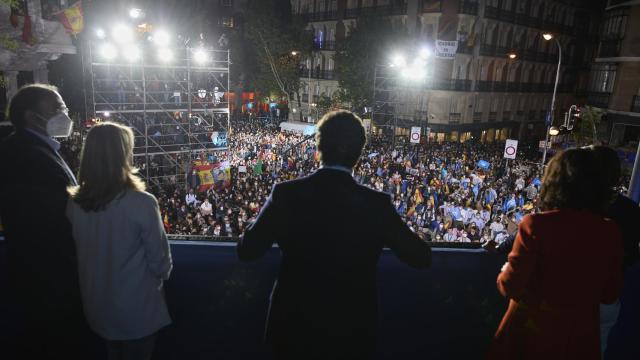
x: 510, y: 149
x: 415, y: 134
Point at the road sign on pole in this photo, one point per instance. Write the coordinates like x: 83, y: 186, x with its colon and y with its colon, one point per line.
x: 510, y: 149
x: 415, y: 134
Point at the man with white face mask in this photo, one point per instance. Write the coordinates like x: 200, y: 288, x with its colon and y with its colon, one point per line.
x: 41, y: 257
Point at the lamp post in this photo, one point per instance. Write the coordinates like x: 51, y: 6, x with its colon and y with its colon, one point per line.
x: 548, y: 37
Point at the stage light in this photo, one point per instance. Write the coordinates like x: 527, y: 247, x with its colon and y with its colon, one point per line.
x: 398, y: 60
x: 200, y: 56
x: 122, y: 34
x: 108, y: 51
x: 513, y: 56
x: 165, y: 55
x: 135, y: 13
x: 425, y: 53
x: 294, y: 53
x: 161, y: 38
x: 132, y: 53
x: 100, y: 34
x: 107, y: 114
x: 547, y: 36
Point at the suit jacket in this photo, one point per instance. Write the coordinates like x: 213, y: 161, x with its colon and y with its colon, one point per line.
x: 330, y: 231
x: 564, y: 263
x: 40, y: 250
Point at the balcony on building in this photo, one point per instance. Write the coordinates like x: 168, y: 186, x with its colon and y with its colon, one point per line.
x: 454, y: 118
x: 380, y: 10
x: 598, y: 99
x: 609, y: 48
x: 320, y: 16
x: 468, y: 7
x: 317, y: 73
x: 635, y: 104
x: 327, y: 45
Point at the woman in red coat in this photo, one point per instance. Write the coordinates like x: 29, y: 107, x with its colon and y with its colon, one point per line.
x: 565, y: 262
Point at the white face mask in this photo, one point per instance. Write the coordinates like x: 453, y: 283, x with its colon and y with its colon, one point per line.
x: 59, y: 125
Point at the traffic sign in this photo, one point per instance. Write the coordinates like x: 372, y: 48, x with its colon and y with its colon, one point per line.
x: 415, y: 134
x: 510, y: 149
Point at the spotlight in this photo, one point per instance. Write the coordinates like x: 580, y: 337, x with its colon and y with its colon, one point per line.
x: 107, y: 114
x: 554, y: 131
x: 135, y: 13
x: 547, y: 36
x: 108, y: 51
x: 122, y: 34
x: 100, y: 34
x: 200, y: 56
x: 425, y: 52
x: 513, y: 56
x: 398, y: 60
x: 165, y: 55
x: 161, y: 38
x: 132, y: 53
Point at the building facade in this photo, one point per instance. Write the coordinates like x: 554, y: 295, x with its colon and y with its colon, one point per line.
x: 24, y: 55
x: 480, y: 92
x: 614, y: 82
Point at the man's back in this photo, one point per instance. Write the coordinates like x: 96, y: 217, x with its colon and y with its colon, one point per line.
x: 331, y: 232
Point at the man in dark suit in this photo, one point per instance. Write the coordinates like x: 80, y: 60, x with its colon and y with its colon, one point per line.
x: 331, y: 232
x: 41, y: 259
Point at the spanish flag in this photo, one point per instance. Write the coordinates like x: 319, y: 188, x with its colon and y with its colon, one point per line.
x: 72, y: 18
x: 205, y: 175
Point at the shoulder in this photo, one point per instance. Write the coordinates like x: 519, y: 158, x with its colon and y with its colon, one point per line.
x: 141, y: 197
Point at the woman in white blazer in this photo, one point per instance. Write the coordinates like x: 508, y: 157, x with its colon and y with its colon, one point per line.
x: 122, y: 249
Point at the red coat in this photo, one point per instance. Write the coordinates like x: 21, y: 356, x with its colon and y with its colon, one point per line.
x: 564, y: 263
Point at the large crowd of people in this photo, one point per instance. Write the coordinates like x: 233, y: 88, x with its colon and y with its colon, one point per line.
x: 449, y: 192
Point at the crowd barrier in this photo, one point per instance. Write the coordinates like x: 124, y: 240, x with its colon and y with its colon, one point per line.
x: 219, y: 304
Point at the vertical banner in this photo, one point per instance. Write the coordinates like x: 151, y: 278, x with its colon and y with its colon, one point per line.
x: 510, y: 149
x: 415, y: 134
x: 446, y: 49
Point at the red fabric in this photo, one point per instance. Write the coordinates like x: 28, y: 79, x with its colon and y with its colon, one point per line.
x: 27, y: 35
x: 564, y: 263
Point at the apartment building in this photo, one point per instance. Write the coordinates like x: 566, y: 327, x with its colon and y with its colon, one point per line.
x: 480, y: 91
x: 614, y: 83
x: 22, y: 62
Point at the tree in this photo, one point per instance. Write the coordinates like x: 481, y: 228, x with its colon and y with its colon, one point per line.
x: 267, y: 61
x: 586, y: 129
x: 371, y: 41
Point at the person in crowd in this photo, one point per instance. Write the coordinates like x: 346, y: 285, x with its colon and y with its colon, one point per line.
x: 191, y: 199
x: 626, y: 214
x: 319, y: 311
x: 41, y: 258
x: 121, y: 245
x: 558, y: 273
x: 206, y: 208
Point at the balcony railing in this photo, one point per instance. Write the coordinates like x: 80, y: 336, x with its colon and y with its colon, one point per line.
x: 454, y: 118
x: 635, y: 104
x: 324, y: 45
x: 464, y: 49
x: 493, y: 116
x: 321, y: 16
x: 468, y: 7
x: 598, y: 99
x: 390, y: 9
x: 609, y: 48
x: 477, y: 117
x: 317, y: 74
x: 451, y: 85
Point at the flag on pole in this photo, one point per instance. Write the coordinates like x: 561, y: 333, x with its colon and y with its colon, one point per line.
x: 72, y: 18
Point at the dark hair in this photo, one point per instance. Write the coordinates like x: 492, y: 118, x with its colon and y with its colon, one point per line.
x: 26, y: 98
x: 609, y: 163
x: 340, y: 136
x: 574, y: 180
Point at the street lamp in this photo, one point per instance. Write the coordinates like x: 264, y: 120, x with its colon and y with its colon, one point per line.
x: 512, y: 56
x: 553, y: 131
x: 547, y: 37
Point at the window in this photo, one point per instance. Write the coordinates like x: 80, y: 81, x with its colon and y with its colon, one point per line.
x: 615, y: 24
x: 227, y: 3
x: 602, y: 78
x: 227, y: 21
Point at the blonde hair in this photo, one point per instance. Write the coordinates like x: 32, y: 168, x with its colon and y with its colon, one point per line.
x: 106, y: 167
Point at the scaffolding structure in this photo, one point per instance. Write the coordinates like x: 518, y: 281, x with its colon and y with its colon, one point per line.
x: 176, y: 102
x: 398, y: 99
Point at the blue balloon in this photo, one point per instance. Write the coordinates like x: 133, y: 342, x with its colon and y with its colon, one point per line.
x: 483, y: 164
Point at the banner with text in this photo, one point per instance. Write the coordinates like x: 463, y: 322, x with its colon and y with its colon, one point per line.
x: 446, y: 49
